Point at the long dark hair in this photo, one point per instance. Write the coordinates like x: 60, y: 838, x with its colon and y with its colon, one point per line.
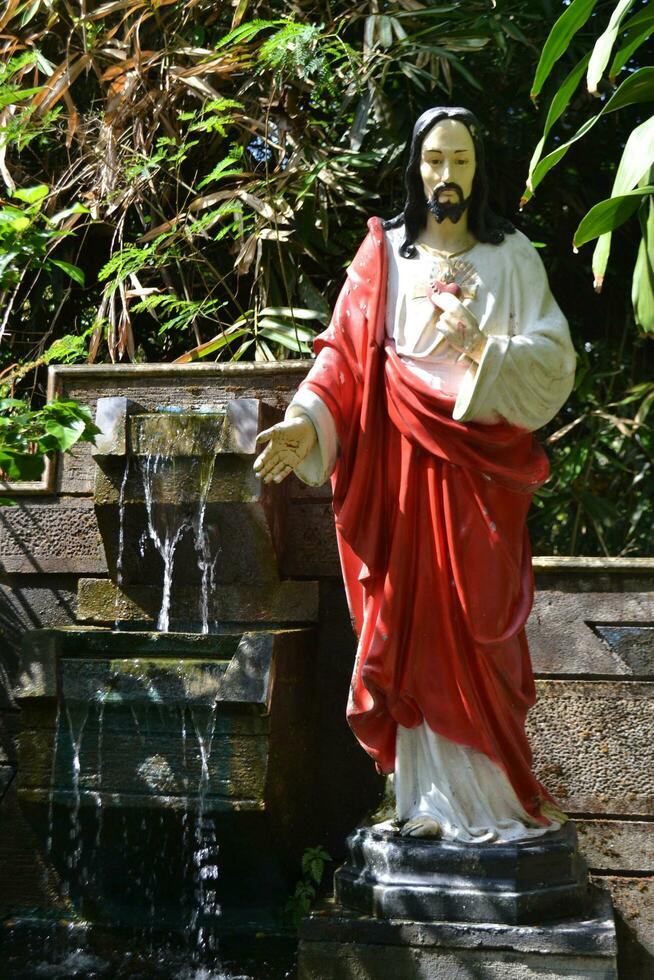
x: 485, y: 225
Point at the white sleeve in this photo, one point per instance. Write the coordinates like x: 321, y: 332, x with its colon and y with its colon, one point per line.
x: 526, y: 375
x: 318, y: 464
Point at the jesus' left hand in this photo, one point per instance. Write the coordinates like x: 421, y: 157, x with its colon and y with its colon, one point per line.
x: 459, y: 326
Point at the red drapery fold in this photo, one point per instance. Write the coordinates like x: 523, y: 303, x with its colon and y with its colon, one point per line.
x: 431, y: 527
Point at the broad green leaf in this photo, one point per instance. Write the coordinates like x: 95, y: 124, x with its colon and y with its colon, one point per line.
x: 246, y: 32
x: 64, y: 435
x: 604, y: 45
x: 609, y: 214
x: 637, y: 88
x: 14, y: 96
x: 73, y: 271
x: 30, y: 195
x: 637, y: 29
x: 296, y: 312
x: 637, y: 157
x: 303, y: 333
x: 557, y: 107
x: 285, y: 337
x: 571, y: 20
x: 600, y: 260
x: 14, y: 219
x: 642, y: 286
x: 66, y: 213
x: 29, y: 12
x: 211, y: 346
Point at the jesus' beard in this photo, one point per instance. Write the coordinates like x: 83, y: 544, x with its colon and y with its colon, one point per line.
x: 447, y: 209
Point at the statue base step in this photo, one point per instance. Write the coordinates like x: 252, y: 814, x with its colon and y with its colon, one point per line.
x: 337, y: 943
x: 529, y: 881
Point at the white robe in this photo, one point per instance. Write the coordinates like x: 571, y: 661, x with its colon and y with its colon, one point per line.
x: 524, y: 375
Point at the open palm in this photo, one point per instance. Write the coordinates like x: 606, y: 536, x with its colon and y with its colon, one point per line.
x: 288, y: 444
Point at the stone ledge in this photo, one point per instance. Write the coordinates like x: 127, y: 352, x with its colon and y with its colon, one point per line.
x: 100, y: 601
x: 336, y: 944
x: 595, y: 934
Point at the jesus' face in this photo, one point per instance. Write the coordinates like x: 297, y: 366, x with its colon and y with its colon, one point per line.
x: 448, y: 163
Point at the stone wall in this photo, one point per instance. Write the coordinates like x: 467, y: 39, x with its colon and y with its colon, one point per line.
x: 591, y: 635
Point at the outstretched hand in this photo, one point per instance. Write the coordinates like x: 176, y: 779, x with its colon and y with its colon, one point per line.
x: 288, y: 444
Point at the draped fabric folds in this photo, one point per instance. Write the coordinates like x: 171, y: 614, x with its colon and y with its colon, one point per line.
x: 431, y: 527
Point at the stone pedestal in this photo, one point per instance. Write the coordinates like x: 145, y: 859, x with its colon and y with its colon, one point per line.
x: 338, y: 944
x: 421, y: 909
x: 405, y: 878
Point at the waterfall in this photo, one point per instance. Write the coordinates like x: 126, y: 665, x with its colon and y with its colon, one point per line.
x: 121, y: 541
x: 205, y: 848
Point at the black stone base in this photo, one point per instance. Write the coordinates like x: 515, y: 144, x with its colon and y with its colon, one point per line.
x: 339, y: 944
x: 393, y: 877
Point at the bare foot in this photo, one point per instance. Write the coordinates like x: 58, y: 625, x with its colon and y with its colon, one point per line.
x: 421, y: 827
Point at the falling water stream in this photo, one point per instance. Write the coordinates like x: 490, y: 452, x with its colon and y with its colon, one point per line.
x: 88, y: 723
x: 121, y: 542
x: 166, y: 530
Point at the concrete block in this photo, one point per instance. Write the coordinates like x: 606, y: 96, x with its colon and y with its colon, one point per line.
x: 577, y: 632
x: 310, y: 548
x: 633, y: 902
x: 594, y: 745
x: 146, y: 765
x: 111, y: 419
x: 62, y: 538
x: 617, y: 845
x: 339, y: 945
x: 100, y: 601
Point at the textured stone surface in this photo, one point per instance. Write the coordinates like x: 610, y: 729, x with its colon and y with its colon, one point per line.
x: 61, y: 538
x: 242, y: 539
x: 562, y: 639
x: 153, y: 765
x: 310, y: 547
x: 30, y: 604
x: 336, y: 961
x: 283, y: 602
x: 338, y: 945
x: 633, y: 901
x: 617, y: 845
x: 594, y: 745
x: 179, y: 480
x: 26, y: 881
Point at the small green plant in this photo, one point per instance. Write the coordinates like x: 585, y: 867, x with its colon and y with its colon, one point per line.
x: 314, y: 860
x: 28, y: 435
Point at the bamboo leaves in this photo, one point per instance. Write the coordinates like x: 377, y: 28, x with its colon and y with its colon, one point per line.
x: 604, y: 45
x: 571, y: 20
x: 638, y: 155
x: 635, y: 89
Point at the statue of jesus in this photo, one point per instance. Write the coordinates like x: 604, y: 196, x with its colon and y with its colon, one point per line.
x: 445, y: 351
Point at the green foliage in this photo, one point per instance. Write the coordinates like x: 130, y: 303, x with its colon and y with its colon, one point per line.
x: 220, y: 159
x: 600, y: 497
x: 28, y: 237
x: 638, y: 154
x: 226, y: 157
x: 299, y: 904
x: 28, y: 435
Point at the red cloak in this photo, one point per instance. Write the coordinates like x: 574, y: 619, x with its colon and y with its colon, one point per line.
x: 431, y: 527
